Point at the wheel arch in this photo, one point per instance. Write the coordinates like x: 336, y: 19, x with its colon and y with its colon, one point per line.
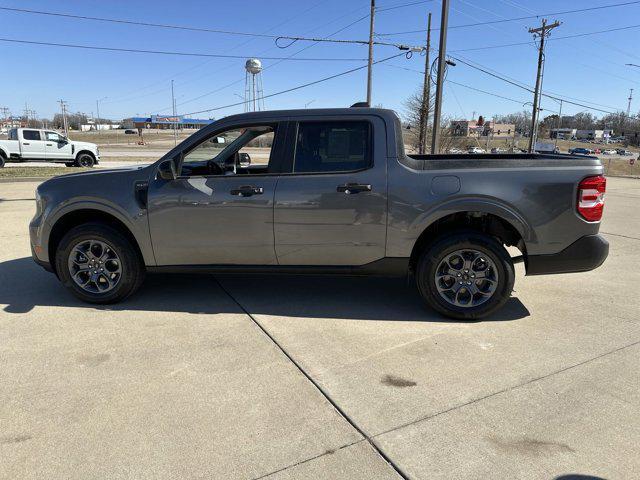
x: 480, y: 221
x: 87, y: 215
x: 89, y: 152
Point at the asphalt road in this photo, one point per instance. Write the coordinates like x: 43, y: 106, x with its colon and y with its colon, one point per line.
x: 292, y: 377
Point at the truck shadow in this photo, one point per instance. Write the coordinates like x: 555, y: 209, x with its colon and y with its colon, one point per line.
x: 25, y: 286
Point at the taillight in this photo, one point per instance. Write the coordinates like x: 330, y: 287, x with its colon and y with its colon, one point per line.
x: 591, y: 197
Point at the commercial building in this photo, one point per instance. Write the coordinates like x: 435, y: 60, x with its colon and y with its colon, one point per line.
x: 480, y: 128
x: 165, y: 122
x: 593, y: 134
x: 565, y: 133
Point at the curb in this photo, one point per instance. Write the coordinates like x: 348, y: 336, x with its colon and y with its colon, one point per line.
x: 23, y: 179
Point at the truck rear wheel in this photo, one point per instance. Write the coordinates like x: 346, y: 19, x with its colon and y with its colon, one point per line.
x: 465, y: 275
x: 85, y: 160
x: 2, y: 161
x: 98, y: 264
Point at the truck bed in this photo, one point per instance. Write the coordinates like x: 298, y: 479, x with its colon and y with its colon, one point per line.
x: 498, y: 160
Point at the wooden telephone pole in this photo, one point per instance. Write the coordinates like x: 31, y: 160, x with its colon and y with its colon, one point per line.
x: 426, y: 93
x: 542, y: 32
x: 437, y: 111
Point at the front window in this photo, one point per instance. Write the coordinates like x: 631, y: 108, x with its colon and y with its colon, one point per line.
x: 244, y: 150
x: 53, y: 136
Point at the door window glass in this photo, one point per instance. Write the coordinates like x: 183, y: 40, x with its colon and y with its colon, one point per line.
x: 31, y: 134
x: 332, y: 147
x: 237, y: 151
x: 53, y: 136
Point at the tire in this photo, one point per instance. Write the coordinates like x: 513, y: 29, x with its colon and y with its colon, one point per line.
x: 70, y: 164
x: 85, y: 160
x: 113, y: 246
x: 2, y: 161
x: 482, y: 292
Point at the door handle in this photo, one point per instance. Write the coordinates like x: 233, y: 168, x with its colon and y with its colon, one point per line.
x: 26, y: 143
x: 247, y: 191
x: 49, y: 144
x: 349, y: 188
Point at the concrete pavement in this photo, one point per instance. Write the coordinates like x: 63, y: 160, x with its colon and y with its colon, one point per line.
x: 181, y: 380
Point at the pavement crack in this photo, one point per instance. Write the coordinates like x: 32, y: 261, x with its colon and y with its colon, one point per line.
x: 306, y: 460
x: 619, y: 235
x: 318, y: 387
x: 505, y: 390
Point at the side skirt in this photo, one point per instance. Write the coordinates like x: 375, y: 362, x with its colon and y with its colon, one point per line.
x: 385, y: 267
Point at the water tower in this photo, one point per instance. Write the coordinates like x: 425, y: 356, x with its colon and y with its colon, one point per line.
x: 253, y: 92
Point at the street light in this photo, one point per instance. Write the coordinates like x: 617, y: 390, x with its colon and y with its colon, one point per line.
x: 308, y: 103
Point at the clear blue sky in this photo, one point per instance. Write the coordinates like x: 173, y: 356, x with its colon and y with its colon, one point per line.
x: 590, y: 68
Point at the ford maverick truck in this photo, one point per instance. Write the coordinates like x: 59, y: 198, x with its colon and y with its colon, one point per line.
x: 324, y: 191
x: 34, y: 145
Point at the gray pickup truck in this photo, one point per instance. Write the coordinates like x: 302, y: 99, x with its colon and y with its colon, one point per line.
x: 324, y: 191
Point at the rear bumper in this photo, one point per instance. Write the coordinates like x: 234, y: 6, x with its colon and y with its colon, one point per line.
x: 44, y: 264
x: 584, y: 254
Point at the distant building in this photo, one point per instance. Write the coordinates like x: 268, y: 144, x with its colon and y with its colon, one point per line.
x: 479, y: 128
x: 567, y: 133
x: 165, y: 122
x: 593, y: 134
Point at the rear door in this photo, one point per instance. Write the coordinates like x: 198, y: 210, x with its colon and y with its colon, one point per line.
x: 32, y: 145
x: 55, y: 146
x: 331, y: 204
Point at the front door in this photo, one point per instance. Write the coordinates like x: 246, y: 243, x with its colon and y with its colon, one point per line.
x: 56, y: 147
x: 32, y: 145
x: 219, y: 211
x: 331, y: 209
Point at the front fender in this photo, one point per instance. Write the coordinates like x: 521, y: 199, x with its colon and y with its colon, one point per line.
x: 137, y: 224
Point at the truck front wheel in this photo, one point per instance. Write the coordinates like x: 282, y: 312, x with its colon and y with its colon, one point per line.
x: 465, y: 275
x: 2, y: 161
x: 85, y: 160
x: 98, y: 264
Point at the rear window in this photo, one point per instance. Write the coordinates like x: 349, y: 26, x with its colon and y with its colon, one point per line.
x: 31, y: 134
x: 332, y: 147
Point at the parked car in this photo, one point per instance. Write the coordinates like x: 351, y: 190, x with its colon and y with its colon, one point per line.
x: 456, y: 151
x: 475, y: 150
x: 622, y: 151
x: 35, y: 145
x: 338, y: 196
x: 609, y: 151
x: 580, y: 151
x: 129, y: 131
x: 498, y: 150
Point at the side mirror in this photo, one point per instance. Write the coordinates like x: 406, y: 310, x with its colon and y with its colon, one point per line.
x: 218, y: 140
x: 167, y: 170
x: 244, y: 159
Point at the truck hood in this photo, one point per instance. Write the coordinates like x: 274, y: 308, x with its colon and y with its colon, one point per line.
x: 84, y: 145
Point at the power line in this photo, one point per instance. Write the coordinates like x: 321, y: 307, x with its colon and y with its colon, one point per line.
x: 133, y: 22
x: 315, y: 82
x: 491, y: 22
x: 530, y: 90
x: 403, y: 5
x: 576, y: 35
x: 163, y: 52
x: 278, y: 62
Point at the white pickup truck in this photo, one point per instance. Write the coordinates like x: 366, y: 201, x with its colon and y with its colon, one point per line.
x: 33, y: 145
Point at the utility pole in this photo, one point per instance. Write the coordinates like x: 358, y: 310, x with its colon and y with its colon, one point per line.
x: 559, y: 124
x: 370, y: 65
x: 542, y: 32
x: 437, y: 112
x: 426, y: 93
x: 175, y: 123
x: 5, y: 115
x: 629, y: 104
x: 63, y: 107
